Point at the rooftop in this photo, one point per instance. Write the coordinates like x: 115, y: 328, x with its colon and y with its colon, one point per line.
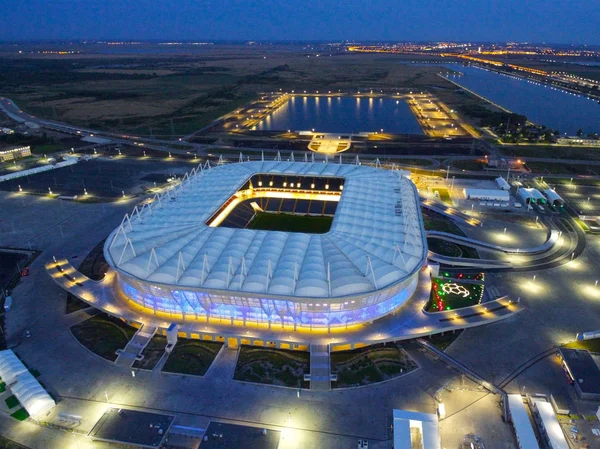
x: 376, y: 238
x: 583, y: 369
x: 132, y: 427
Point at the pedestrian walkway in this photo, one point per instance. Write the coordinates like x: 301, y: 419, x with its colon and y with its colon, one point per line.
x: 320, y: 368
x: 223, y: 366
x: 135, y: 346
x: 81, y: 315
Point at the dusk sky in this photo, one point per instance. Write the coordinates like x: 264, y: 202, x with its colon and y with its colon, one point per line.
x: 555, y: 21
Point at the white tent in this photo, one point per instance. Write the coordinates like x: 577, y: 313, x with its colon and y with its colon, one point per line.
x: 410, y: 427
x: 32, y: 395
x: 10, y: 366
x: 502, y: 184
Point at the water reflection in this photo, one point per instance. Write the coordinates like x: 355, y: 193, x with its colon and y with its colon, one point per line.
x: 541, y: 103
x: 345, y: 115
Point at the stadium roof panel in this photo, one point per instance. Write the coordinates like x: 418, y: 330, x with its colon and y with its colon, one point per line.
x: 376, y: 238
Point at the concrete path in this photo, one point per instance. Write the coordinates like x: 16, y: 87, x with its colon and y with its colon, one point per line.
x: 223, y: 366
x: 320, y: 368
x: 135, y: 346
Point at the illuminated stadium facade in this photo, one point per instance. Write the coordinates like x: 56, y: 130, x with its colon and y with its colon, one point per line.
x: 192, y: 254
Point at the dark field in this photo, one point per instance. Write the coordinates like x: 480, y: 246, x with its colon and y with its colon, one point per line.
x: 176, y: 94
x: 8, y: 266
x: 291, y: 223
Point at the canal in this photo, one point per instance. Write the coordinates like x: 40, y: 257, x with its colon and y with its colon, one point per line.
x: 541, y: 103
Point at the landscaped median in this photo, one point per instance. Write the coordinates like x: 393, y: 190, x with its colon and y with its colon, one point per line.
x: 152, y: 353
x: 370, y: 364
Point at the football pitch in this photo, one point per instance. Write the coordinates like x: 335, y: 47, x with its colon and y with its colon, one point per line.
x: 291, y: 223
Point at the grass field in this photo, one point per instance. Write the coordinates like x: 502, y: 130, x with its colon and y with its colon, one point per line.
x: 551, y: 151
x: 368, y: 365
x: 171, y: 94
x: 103, y: 335
x: 437, y: 222
x: 444, y: 248
x: 592, y: 345
x: 291, y: 223
x: 192, y: 357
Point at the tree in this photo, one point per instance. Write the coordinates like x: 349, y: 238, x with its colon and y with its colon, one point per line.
x: 579, y: 132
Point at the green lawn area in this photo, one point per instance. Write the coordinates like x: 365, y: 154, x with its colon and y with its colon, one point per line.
x: 46, y: 149
x: 450, y: 249
x: 103, y: 335
x: 370, y: 364
x: 152, y: 353
x: 592, y: 345
x: 468, y: 165
x: 559, y: 168
x: 455, y: 296
x: 272, y: 366
x: 443, y: 342
x: 437, y: 222
x: 551, y: 151
x: 443, y: 195
x: 192, y: 357
x: 2, y: 387
x: 414, y: 162
x: 290, y: 223
x: 11, y: 402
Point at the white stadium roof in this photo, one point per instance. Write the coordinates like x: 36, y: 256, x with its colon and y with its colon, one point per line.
x: 372, y: 243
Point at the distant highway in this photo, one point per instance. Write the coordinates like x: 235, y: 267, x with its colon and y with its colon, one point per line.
x: 11, y: 109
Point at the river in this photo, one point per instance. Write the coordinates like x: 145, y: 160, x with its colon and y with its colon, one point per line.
x: 541, y: 103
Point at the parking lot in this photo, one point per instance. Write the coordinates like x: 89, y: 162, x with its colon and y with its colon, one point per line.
x: 101, y: 177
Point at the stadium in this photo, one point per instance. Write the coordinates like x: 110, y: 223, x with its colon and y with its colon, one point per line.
x: 308, y: 245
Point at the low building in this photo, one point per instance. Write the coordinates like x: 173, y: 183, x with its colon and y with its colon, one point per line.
x: 10, y: 154
x: 486, y: 194
x: 503, y: 163
x: 502, y: 183
x: 554, y: 198
x: 539, y: 198
x: 414, y: 430
x: 6, y: 131
x: 531, y: 196
x: 574, y: 140
x: 522, y: 427
x: 582, y: 372
x: 548, y: 425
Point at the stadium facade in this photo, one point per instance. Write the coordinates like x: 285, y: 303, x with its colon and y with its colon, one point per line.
x: 179, y: 257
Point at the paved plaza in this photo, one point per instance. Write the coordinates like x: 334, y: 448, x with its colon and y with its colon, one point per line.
x: 558, y: 304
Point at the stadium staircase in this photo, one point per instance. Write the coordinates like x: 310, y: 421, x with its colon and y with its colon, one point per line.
x: 135, y: 346
x: 320, y: 368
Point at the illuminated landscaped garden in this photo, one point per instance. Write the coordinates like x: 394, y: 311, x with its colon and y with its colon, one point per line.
x: 450, y: 294
x: 371, y: 364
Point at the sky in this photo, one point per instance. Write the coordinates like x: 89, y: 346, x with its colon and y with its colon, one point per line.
x: 553, y: 21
